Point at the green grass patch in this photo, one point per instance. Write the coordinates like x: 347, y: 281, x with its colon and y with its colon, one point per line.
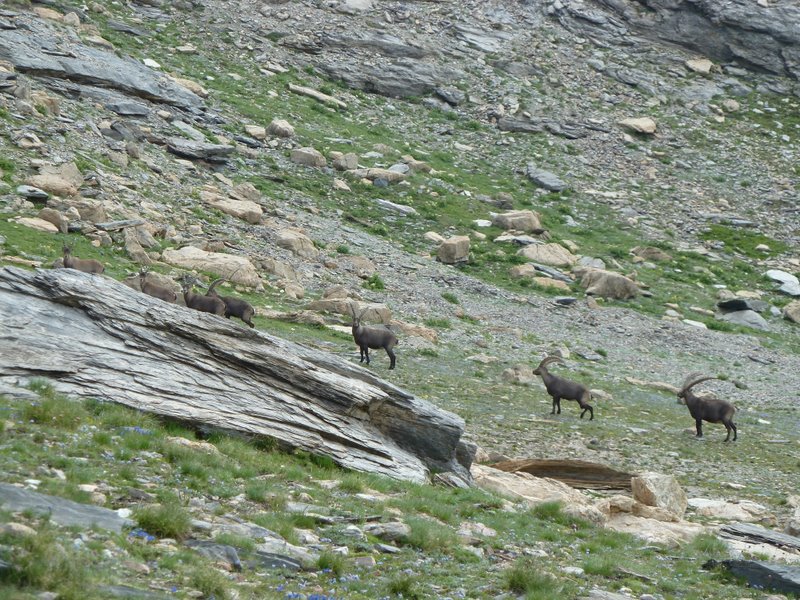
x: 744, y: 241
x: 168, y: 519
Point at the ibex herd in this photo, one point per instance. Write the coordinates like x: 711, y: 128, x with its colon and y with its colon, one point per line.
x: 369, y: 338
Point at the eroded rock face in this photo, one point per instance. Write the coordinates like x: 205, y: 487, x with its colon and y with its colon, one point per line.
x: 554, y: 255
x: 297, y: 242
x: 607, y: 284
x: 520, y: 220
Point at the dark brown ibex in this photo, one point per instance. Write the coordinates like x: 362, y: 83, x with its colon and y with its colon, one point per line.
x: 88, y: 265
x: 155, y: 290
x: 208, y: 304
x: 559, y: 388
x: 367, y: 337
x: 234, y: 307
x: 712, y: 410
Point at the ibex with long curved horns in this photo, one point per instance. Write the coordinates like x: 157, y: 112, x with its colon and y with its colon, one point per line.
x: 712, y: 410
x: 559, y: 388
x: 234, y: 307
x: 367, y: 337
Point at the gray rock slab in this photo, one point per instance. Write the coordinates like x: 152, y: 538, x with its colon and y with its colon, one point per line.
x: 196, y: 150
x: 32, y: 193
x: 129, y: 109
x: 401, y: 79
x: 9, y: 389
x: 216, y: 552
x: 268, y: 560
x: 544, y: 179
x: 29, y: 49
x: 63, y: 512
x: 764, y: 575
x: 746, y: 318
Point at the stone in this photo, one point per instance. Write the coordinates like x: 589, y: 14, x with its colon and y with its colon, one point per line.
x: 61, y: 511
x: 346, y: 162
x: 414, y: 330
x: 195, y: 150
x: 544, y: 179
x: 61, y: 180
x: 554, y: 255
x: 651, y: 253
x: 607, y: 284
x: 309, y: 157
x: 32, y: 193
x: 746, y: 318
x: 741, y: 510
x: 392, y: 531
x: 742, y: 303
x: 669, y: 534
x: 238, y: 269
x: 297, y: 242
x: 519, y: 375
x: 663, y: 491
x: 699, y: 65
x: 256, y: 131
x: 51, y: 215
x: 520, y: 271
x: 644, y: 125
x: 548, y: 282
x: 280, y: 128
x: 791, y: 312
x: 454, y: 250
x: 17, y: 530
x: 789, y: 283
x: 434, y: 237
x: 247, y: 210
x: 520, y: 220
x: 377, y: 173
x: 38, y: 224
x: 197, y: 445
x: 372, y: 313
x: 532, y: 490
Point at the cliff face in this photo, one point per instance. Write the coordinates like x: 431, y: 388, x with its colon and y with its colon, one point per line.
x: 763, y: 36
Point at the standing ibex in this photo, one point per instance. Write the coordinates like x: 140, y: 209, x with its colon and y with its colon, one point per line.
x: 367, y: 337
x: 88, y: 265
x: 235, y: 307
x: 155, y: 290
x: 712, y: 410
x: 207, y: 304
x: 559, y: 388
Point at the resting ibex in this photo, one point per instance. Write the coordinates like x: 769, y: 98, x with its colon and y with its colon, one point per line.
x: 559, y: 388
x: 712, y: 410
x: 373, y: 337
x: 88, y: 265
x: 155, y: 290
x: 207, y: 304
x: 235, y: 307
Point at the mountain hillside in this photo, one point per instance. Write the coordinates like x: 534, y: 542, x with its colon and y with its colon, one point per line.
x: 615, y: 183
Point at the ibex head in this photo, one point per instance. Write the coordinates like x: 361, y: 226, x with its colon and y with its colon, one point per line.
x: 546, y: 361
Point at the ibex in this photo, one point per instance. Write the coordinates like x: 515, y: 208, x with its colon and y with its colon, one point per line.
x: 372, y: 337
x: 88, y: 265
x: 235, y: 307
x: 207, y: 304
x: 155, y: 290
x: 712, y: 410
x: 559, y: 388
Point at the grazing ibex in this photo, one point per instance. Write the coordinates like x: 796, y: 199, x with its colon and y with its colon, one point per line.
x: 208, y: 304
x: 155, y: 290
x: 559, y: 388
x: 367, y: 337
x: 88, y: 265
x: 712, y: 410
x: 235, y: 307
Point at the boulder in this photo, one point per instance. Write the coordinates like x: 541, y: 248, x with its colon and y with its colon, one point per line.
x: 791, y: 311
x: 247, y: 210
x: 607, y: 284
x: 745, y: 318
x: 346, y: 162
x: 519, y: 375
x: 38, y: 224
x: 238, y: 269
x: 297, y: 242
x: 376, y: 173
x: 414, y: 330
x: 56, y: 218
x: 256, y: 132
x: 434, y: 237
x: 372, y: 313
x: 520, y: 271
x: 280, y: 128
x: 740, y: 303
x: 62, y: 180
x: 278, y: 268
x: 520, y: 220
x: 663, y: 491
x: 644, y: 125
x: 789, y: 283
x: 454, y: 250
x: 699, y: 65
x: 309, y: 157
x: 651, y: 253
x: 193, y: 150
x: 548, y: 282
x: 544, y: 179
x: 669, y: 534
x: 554, y: 255
x: 741, y: 510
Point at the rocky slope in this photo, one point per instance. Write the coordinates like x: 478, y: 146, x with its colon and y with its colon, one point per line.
x: 301, y: 146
